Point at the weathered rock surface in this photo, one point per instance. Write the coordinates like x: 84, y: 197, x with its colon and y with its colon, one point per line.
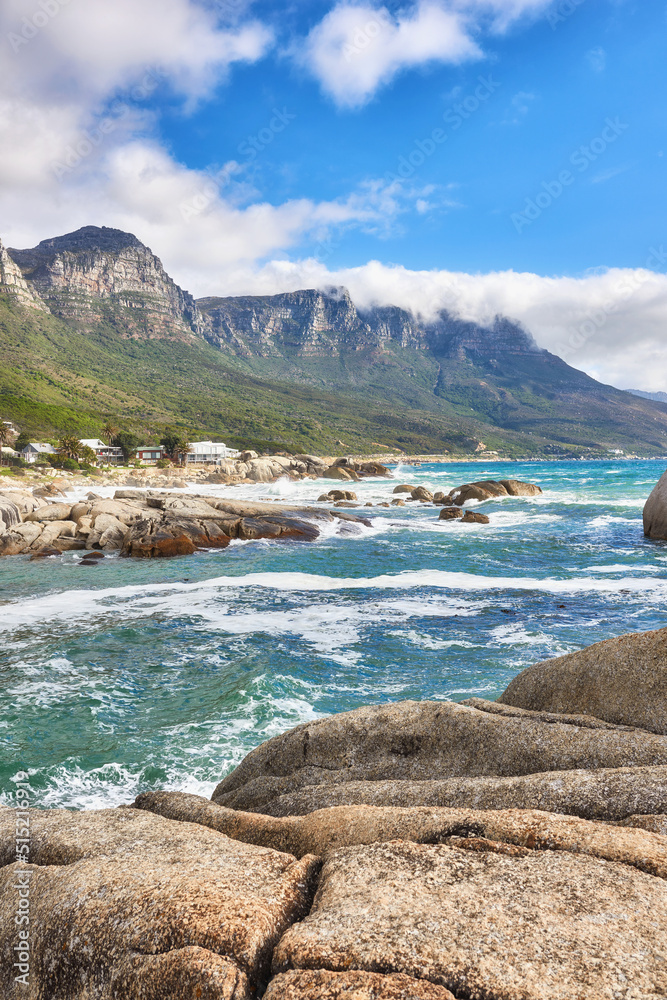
x: 421, y: 493
x: 599, y: 794
x: 403, y: 488
x: 145, y: 523
x: 472, y: 517
x: 450, y: 514
x: 655, y: 511
x: 319, y: 984
x: 51, y: 512
x: 655, y: 824
x: 9, y: 513
x: 426, y: 741
x: 623, y: 680
x: 124, y: 903
x: 326, y: 830
x: 517, y: 488
x: 486, y: 489
x: 487, y: 924
x: 22, y: 499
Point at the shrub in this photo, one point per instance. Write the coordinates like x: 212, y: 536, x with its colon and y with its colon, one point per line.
x: 163, y: 463
x: 70, y: 465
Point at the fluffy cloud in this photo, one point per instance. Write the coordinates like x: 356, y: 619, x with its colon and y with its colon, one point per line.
x: 84, y: 49
x: 358, y: 47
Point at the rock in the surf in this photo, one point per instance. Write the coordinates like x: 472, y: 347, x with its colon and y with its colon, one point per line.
x: 421, y: 493
x: 426, y: 741
x: 622, y: 680
x: 450, y: 514
x: 473, y: 517
x: 487, y: 489
x: 655, y: 511
x: 124, y: 903
x: 485, y: 920
x: 517, y: 488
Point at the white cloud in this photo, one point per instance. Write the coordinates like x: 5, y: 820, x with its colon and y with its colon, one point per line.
x: 518, y: 108
x: 85, y: 49
x: 359, y: 47
x: 597, y: 59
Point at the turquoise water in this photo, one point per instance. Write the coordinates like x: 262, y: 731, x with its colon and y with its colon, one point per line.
x: 135, y: 675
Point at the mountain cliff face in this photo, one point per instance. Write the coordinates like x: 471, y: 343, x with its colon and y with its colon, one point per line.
x: 12, y: 281
x: 97, y: 274
x: 312, y: 322
x: 307, y: 322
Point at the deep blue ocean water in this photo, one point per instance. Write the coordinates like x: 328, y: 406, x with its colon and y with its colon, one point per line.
x: 164, y: 674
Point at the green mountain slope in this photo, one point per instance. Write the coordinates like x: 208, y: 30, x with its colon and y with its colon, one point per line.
x: 56, y: 378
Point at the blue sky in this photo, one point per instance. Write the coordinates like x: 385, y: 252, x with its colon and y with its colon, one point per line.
x: 483, y: 156
x: 559, y: 77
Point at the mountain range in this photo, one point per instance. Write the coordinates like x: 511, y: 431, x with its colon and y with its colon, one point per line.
x: 92, y: 327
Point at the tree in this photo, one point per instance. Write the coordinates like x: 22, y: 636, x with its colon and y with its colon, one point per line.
x: 5, y: 438
x: 70, y: 447
x: 22, y: 441
x: 182, y: 448
x: 176, y: 446
x: 109, y: 432
x: 127, y: 442
x: 170, y: 443
x: 88, y: 455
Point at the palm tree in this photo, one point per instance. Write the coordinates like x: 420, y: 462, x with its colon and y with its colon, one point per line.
x: 109, y: 432
x: 5, y: 438
x: 69, y: 447
x: 181, y: 450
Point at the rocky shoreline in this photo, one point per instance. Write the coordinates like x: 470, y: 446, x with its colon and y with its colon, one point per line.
x: 145, y: 523
x: 407, y: 851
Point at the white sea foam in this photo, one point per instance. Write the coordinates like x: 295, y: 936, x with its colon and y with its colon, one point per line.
x: 209, y: 601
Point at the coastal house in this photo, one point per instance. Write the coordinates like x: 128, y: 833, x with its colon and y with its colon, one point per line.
x: 150, y: 454
x: 36, y: 450
x: 209, y: 452
x: 106, y: 453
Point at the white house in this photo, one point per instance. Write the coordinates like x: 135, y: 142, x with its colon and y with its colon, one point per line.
x: 209, y: 452
x: 106, y: 453
x: 35, y: 450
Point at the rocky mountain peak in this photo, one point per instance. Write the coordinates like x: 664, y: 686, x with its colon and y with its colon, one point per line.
x: 98, y: 273
x: 88, y: 238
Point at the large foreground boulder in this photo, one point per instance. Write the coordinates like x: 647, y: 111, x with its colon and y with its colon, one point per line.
x: 489, y: 922
x: 622, y: 680
x: 655, y: 511
x: 326, y: 830
x: 426, y: 741
x: 124, y: 903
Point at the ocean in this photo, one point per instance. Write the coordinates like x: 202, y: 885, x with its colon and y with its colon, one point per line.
x: 136, y: 675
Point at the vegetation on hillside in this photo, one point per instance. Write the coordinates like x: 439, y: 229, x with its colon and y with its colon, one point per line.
x: 58, y: 380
